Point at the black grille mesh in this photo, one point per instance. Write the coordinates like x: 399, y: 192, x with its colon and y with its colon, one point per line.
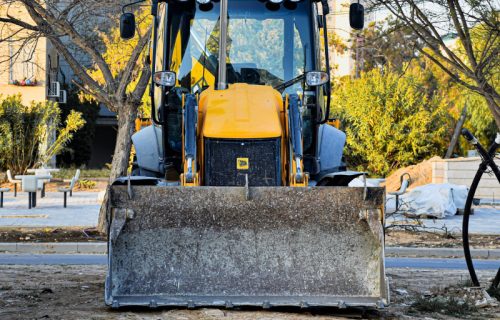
x: 221, y: 158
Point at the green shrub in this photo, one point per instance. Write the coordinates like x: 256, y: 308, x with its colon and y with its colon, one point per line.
x: 85, y: 173
x: 86, y: 184
x: 31, y: 135
x: 391, y: 120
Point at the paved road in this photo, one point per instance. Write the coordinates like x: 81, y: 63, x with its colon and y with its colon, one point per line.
x: 79, y: 259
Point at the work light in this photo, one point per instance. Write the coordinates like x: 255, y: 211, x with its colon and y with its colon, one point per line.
x: 316, y: 78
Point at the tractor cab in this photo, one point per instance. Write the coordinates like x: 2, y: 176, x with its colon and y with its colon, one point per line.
x: 203, y: 44
x: 266, y: 44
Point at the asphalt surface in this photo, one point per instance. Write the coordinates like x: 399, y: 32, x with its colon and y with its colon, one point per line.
x: 80, y: 259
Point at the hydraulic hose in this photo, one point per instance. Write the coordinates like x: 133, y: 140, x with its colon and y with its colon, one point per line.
x: 496, y: 281
x: 465, y: 225
x: 488, y: 160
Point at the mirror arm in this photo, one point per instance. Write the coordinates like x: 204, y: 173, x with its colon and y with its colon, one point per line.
x: 326, y: 7
x: 288, y: 83
x: 327, y: 62
x: 154, y: 8
x: 131, y: 4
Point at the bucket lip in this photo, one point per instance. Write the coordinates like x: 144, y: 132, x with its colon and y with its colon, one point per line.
x: 266, y: 302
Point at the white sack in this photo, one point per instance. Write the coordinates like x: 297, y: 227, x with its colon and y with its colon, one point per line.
x: 436, y: 200
x: 360, y: 182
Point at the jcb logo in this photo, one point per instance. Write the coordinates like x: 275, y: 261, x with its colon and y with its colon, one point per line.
x: 242, y: 163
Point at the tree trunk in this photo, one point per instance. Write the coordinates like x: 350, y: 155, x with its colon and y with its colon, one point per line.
x: 127, y: 113
x: 126, y: 125
x: 492, y: 100
x: 495, y: 109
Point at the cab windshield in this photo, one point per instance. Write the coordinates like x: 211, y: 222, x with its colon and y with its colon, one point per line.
x: 266, y: 47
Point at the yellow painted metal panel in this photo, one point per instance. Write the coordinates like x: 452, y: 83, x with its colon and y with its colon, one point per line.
x: 242, y: 111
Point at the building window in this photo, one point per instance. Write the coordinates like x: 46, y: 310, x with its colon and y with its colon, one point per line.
x: 22, y: 69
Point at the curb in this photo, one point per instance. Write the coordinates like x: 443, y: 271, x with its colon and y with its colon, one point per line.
x: 493, y: 254
x: 55, y: 248
x: 101, y: 248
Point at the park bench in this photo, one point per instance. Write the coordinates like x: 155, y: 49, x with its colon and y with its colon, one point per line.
x: 13, y: 181
x: 69, y: 189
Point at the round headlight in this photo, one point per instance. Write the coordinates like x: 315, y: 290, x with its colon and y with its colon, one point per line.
x: 294, y: 0
x: 276, y: 1
x: 203, y: 1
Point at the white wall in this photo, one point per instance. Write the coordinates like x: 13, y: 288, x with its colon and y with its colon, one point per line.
x: 461, y: 171
x: 338, y: 23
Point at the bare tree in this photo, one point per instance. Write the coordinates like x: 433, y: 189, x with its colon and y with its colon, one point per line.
x: 475, y: 61
x: 72, y: 26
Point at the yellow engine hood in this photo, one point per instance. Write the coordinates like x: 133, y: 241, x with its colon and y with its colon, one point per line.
x: 242, y: 111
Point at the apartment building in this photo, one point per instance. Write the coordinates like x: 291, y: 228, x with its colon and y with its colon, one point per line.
x: 32, y: 67
x: 28, y: 65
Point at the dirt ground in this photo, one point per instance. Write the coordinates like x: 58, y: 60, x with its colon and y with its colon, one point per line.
x: 76, y: 292
x: 393, y: 238
x: 420, y: 174
x: 50, y: 235
x: 437, y: 240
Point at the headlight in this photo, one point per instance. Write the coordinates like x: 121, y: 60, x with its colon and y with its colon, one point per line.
x: 165, y: 78
x: 276, y: 1
x: 203, y: 1
x: 316, y: 78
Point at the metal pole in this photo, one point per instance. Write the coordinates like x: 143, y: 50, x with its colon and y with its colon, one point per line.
x: 222, y: 85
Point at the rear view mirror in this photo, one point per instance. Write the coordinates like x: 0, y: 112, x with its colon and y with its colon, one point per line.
x: 127, y: 26
x: 357, y: 16
x: 165, y: 78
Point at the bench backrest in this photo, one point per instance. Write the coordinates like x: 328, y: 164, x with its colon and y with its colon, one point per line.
x: 9, y: 176
x: 77, y: 175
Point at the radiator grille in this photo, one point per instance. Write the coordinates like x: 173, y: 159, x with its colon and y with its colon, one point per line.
x: 227, y: 162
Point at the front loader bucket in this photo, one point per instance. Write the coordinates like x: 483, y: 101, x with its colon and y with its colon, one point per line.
x: 232, y: 246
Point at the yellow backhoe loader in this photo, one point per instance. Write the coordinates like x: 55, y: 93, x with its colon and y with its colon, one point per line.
x: 240, y: 195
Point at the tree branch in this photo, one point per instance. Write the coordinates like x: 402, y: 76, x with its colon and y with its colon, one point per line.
x: 129, y: 68
x: 142, y: 85
x: 47, y: 30
x: 64, y: 27
x: 19, y: 23
x: 463, y: 34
